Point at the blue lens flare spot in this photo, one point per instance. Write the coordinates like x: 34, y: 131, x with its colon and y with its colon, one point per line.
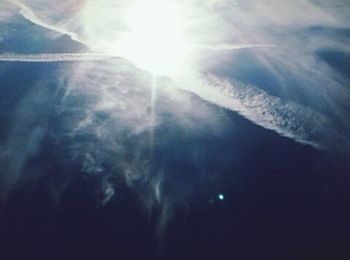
x: 221, y: 196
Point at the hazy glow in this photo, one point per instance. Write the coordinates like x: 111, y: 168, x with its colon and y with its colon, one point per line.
x: 155, y: 38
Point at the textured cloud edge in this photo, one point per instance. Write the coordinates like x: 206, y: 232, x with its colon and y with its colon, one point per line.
x: 288, y: 119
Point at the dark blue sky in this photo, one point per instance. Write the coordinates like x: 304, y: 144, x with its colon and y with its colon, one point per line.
x: 103, y: 160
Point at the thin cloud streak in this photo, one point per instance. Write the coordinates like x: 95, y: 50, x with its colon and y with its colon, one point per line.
x: 30, y: 15
x: 223, y: 47
x: 57, y: 57
x: 53, y: 57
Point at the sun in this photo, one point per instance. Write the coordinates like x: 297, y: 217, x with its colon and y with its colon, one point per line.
x: 155, y: 38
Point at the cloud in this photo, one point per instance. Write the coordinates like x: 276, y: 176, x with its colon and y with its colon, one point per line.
x: 225, y: 47
x: 288, y: 88
x: 31, y: 16
x: 259, y: 59
x: 53, y: 57
x: 59, y: 57
x: 235, y: 26
x: 24, y: 136
x: 287, y: 118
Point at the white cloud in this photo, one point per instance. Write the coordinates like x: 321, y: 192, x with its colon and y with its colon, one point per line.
x: 219, y: 25
x: 53, y: 57
x: 31, y: 15
x: 309, y: 106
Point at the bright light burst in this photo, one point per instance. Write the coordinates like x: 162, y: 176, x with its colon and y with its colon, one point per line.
x: 155, y: 37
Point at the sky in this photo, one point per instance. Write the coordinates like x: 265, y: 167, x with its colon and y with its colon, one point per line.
x: 286, y: 44
x: 168, y: 98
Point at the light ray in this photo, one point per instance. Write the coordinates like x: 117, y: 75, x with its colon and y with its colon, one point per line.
x: 152, y: 112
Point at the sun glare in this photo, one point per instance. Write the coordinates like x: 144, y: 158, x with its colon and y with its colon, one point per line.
x: 155, y: 37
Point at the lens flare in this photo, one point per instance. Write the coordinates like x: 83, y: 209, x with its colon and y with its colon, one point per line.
x: 155, y: 37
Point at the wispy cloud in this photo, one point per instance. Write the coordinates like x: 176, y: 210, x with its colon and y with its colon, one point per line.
x: 24, y: 136
x: 260, y: 61
x: 53, y: 57
x: 241, y: 23
x: 57, y: 57
x: 31, y: 16
x: 287, y: 118
x: 223, y: 47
